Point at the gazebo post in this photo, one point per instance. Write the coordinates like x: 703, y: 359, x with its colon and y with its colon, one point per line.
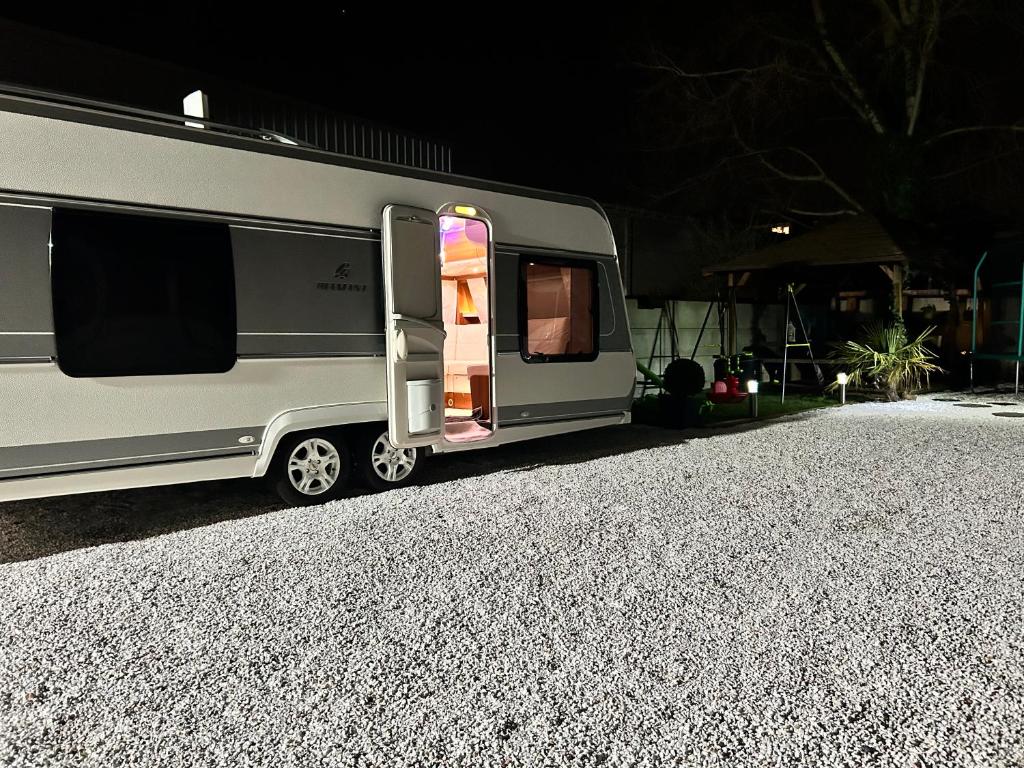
x: 1020, y: 335
x: 895, y: 275
x: 785, y: 344
x: 732, y: 314
x: 897, y: 290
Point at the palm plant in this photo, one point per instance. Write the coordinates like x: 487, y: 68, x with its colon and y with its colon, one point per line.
x: 886, y: 360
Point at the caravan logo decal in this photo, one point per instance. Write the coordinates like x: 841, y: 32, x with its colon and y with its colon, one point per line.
x: 341, y: 282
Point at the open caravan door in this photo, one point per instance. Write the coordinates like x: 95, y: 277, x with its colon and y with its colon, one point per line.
x: 413, y: 326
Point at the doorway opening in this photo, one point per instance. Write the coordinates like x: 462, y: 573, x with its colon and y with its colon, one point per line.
x: 465, y: 302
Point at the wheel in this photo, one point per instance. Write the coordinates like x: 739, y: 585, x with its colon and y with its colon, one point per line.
x: 380, y: 465
x: 312, y: 468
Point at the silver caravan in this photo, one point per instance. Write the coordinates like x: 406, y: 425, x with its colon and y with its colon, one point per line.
x: 193, y: 302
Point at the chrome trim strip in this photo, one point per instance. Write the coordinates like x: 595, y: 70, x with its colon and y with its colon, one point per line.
x: 514, y: 249
x: 309, y: 355
x: 302, y: 333
x: 287, y: 226
x: 310, y: 234
x: 26, y: 205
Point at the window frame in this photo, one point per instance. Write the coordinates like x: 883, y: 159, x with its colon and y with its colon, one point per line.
x: 595, y: 308
x: 140, y: 216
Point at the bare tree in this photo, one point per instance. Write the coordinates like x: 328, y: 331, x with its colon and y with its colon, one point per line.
x: 845, y: 106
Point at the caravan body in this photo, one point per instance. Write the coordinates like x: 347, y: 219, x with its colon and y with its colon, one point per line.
x: 183, y: 303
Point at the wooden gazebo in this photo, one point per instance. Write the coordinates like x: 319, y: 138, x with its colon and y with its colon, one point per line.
x: 853, y: 241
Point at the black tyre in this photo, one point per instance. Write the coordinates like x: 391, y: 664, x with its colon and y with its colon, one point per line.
x: 379, y: 465
x: 312, y: 467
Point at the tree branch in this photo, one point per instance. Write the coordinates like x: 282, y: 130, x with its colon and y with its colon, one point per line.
x: 851, y: 82
x: 930, y: 38
x: 819, y: 178
x: 890, y: 24
x: 1015, y: 128
x: 913, y: 10
x: 678, y: 72
x: 775, y: 216
x: 701, y: 176
x: 850, y: 102
x: 972, y: 166
x: 818, y: 214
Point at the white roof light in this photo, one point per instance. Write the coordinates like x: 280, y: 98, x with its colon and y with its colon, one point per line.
x: 196, y: 105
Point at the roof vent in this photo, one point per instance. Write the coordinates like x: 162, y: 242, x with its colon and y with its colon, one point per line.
x: 280, y: 138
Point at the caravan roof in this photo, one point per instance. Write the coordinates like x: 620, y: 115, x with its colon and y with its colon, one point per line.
x: 71, y: 147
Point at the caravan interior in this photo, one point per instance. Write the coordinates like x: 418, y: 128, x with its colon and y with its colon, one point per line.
x: 560, y: 304
x: 465, y: 301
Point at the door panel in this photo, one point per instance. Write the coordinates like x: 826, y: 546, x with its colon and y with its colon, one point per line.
x: 414, y: 330
x: 493, y: 285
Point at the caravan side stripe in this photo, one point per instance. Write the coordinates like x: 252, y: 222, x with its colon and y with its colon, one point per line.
x: 46, y: 459
x: 568, y: 409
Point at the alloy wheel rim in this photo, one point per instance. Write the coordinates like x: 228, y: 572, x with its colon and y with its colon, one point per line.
x: 389, y: 463
x: 314, y: 466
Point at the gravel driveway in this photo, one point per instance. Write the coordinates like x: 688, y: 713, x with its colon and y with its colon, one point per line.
x: 842, y: 588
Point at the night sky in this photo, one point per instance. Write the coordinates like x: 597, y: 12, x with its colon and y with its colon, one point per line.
x: 540, y: 96
x: 559, y: 98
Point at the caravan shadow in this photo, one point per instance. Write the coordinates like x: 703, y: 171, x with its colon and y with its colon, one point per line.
x: 578, y: 447
x: 40, y: 527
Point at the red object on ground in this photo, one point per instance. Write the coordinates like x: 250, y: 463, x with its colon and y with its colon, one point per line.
x: 726, y: 391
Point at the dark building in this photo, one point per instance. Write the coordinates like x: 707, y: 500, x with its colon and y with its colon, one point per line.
x: 661, y: 256
x: 39, y: 58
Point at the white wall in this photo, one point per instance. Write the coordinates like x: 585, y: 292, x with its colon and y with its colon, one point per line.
x: 764, y: 320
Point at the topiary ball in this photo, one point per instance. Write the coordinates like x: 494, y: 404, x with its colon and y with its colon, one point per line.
x: 684, y: 377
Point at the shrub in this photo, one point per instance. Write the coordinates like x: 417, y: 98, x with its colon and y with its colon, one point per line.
x: 670, y: 411
x: 887, y: 361
x: 647, y: 410
x: 680, y: 412
x: 684, y: 377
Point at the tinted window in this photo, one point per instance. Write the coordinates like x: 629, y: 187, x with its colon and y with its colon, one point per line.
x: 137, y: 295
x: 559, y: 303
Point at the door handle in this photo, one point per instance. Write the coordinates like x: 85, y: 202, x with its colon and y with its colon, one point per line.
x: 401, y: 345
x: 404, y: 319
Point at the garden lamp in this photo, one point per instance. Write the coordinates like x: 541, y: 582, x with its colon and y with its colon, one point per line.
x: 752, y: 386
x: 841, y: 379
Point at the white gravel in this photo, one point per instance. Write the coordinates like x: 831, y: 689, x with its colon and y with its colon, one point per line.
x: 842, y: 588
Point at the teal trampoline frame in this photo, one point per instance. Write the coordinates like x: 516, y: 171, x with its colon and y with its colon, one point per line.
x: 1019, y: 322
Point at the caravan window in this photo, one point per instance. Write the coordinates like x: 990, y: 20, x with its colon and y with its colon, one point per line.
x: 141, y: 295
x: 558, y: 306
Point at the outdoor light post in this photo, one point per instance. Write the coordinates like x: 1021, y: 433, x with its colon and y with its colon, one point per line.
x: 841, y: 381
x: 752, y: 385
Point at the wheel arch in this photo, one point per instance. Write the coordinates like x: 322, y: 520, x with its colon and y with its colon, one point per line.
x: 313, y: 417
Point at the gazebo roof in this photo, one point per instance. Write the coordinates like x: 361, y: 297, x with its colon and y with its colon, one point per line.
x: 856, y: 240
